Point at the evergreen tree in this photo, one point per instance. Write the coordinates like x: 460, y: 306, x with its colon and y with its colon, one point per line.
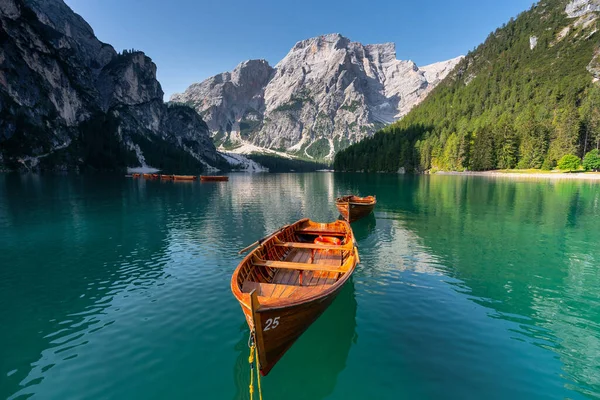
x: 590, y: 114
x: 534, y: 140
x: 566, y: 133
x: 484, y: 156
x: 509, y: 145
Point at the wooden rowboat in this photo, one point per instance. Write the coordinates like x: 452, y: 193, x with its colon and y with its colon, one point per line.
x: 213, y: 178
x: 353, y: 208
x: 185, y: 177
x: 287, y: 282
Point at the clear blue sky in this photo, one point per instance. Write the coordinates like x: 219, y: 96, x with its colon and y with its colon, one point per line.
x: 191, y: 40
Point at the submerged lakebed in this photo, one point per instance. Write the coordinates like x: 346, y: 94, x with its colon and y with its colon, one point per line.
x: 468, y: 287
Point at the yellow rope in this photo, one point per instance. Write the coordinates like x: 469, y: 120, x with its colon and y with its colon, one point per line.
x: 258, y: 376
x: 251, y: 362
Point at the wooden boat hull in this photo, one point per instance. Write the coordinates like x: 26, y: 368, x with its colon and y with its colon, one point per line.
x: 325, y: 347
x: 280, y: 303
x: 294, y: 321
x: 353, y: 208
x: 185, y: 177
x: 213, y: 178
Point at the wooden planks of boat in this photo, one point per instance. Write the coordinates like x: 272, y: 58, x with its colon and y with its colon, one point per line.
x: 151, y: 176
x: 136, y: 175
x: 185, y: 177
x: 166, y: 177
x: 353, y: 208
x: 287, y: 282
x: 214, y: 178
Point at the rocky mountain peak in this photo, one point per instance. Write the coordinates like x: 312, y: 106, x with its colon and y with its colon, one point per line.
x: 382, y: 53
x: 322, y: 43
x: 251, y: 72
x: 325, y: 94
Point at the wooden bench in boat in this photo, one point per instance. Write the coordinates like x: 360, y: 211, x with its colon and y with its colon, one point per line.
x: 312, y: 246
x: 298, y: 266
x: 318, y: 232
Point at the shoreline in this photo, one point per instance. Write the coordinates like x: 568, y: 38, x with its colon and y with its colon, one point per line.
x: 594, y: 176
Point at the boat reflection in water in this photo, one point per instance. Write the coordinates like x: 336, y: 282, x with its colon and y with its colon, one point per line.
x: 310, y: 368
x: 364, y: 228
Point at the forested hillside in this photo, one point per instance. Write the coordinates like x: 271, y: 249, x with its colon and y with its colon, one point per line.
x: 524, y: 98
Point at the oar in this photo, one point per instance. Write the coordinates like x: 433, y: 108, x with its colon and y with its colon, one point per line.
x: 259, y: 241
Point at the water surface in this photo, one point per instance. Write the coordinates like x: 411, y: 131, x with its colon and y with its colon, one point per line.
x: 469, y: 288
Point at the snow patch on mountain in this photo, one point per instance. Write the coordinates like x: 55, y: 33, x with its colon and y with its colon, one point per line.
x: 242, y: 162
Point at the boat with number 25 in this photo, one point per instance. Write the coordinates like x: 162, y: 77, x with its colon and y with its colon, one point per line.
x: 289, y: 279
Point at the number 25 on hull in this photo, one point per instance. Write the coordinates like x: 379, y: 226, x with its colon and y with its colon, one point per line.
x: 278, y: 329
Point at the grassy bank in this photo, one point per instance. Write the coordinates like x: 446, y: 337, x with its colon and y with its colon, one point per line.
x: 528, y: 173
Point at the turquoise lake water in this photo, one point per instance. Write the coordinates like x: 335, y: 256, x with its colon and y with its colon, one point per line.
x: 469, y: 288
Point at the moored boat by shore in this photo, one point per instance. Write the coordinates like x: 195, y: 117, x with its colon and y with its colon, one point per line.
x: 287, y: 282
x: 214, y: 178
x: 353, y: 208
x: 185, y: 177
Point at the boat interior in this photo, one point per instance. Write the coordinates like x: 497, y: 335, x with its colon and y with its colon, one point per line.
x: 291, y: 265
x: 356, y: 199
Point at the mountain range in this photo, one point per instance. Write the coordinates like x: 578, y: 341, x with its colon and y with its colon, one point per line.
x: 325, y: 94
x: 526, y: 97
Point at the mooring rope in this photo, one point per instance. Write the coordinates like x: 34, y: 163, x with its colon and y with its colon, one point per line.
x: 251, y: 358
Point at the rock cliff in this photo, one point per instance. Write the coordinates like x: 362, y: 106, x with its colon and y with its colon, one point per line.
x: 67, y: 100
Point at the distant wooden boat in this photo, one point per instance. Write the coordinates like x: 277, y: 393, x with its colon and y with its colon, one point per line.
x: 353, y: 208
x: 214, y: 178
x: 287, y: 282
x: 166, y: 177
x: 185, y: 177
x: 151, y: 176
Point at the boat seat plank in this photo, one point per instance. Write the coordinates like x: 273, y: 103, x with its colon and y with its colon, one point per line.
x: 317, y: 232
x: 298, y: 266
x: 312, y: 246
